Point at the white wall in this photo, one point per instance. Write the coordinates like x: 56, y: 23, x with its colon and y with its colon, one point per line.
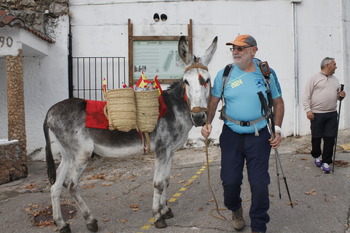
x: 3, y: 98
x: 321, y: 35
x: 100, y: 28
x: 45, y: 83
x: 318, y: 34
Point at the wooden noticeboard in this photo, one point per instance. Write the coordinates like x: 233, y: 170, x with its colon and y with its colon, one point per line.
x: 156, y: 56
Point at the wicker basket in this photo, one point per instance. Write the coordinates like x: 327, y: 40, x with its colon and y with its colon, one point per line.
x: 147, y: 110
x: 120, y: 109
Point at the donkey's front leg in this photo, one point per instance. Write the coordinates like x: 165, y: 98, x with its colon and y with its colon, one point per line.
x: 161, y: 183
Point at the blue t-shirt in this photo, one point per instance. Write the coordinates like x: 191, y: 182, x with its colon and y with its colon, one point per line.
x: 241, y: 99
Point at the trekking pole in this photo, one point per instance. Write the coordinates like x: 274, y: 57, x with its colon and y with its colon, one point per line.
x: 263, y: 102
x: 271, y: 125
x: 338, y: 118
x: 272, y: 120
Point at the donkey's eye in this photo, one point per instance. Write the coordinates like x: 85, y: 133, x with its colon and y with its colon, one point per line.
x: 186, y: 82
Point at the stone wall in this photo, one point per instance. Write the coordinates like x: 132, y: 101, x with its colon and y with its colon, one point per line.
x: 12, y: 166
x: 35, y: 13
x: 15, y: 100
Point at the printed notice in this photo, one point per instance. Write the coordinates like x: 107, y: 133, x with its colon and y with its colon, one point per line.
x: 157, y: 58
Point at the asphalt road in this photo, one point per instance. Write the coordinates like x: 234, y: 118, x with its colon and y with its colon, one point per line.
x: 119, y: 193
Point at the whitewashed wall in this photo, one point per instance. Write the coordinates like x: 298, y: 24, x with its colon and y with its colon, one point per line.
x: 100, y: 28
x: 319, y: 33
x: 3, y: 98
x: 45, y: 83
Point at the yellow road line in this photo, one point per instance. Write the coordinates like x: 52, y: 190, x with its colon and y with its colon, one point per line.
x: 147, y: 226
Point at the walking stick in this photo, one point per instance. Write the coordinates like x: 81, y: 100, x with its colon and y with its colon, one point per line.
x: 271, y: 125
x: 338, y: 118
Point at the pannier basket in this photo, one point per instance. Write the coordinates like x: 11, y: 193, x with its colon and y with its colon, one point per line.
x: 120, y: 109
x: 147, y: 110
x: 127, y: 109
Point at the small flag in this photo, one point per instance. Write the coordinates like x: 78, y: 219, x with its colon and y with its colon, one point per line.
x: 156, y: 85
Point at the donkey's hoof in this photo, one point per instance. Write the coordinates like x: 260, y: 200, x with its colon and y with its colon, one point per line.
x: 92, y: 226
x: 65, y: 229
x: 160, y: 223
x: 169, y: 214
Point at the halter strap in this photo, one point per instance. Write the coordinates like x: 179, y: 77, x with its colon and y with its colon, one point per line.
x: 196, y: 66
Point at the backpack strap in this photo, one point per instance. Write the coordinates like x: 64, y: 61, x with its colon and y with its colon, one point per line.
x: 243, y: 123
x: 223, y: 115
x: 225, y: 78
x: 266, y: 72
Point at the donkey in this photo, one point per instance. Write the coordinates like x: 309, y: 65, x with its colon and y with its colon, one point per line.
x: 186, y: 102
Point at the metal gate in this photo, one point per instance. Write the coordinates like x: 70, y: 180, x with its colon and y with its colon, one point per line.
x: 88, y: 74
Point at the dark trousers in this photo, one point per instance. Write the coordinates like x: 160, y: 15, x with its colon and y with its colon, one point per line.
x: 324, y: 126
x: 255, y: 150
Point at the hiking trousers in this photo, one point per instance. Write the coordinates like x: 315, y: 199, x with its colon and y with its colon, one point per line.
x: 324, y: 126
x: 255, y: 151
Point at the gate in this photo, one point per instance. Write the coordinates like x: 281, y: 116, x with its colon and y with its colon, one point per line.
x: 88, y: 74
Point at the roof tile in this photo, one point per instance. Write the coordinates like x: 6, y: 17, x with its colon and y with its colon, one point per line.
x: 7, y: 19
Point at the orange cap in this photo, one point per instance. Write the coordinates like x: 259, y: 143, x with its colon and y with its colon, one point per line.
x: 243, y: 40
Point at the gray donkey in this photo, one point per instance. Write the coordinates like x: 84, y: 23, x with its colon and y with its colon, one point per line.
x: 186, y: 103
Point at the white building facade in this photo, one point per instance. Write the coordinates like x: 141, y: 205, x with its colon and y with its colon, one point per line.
x: 292, y: 35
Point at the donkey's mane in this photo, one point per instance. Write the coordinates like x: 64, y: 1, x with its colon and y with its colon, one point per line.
x: 173, y: 96
x: 174, y: 84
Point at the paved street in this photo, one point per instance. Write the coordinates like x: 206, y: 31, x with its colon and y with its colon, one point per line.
x: 119, y: 193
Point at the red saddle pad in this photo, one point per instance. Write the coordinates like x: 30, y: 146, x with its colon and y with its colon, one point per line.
x: 95, y: 117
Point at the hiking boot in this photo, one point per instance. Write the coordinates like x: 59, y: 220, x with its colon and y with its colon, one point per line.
x: 325, y: 168
x: 318, y: 162
x: 237, y: 219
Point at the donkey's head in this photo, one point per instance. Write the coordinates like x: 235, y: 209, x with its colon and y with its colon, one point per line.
x: 196, y: 80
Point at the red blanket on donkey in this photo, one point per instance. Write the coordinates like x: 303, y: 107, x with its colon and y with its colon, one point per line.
x: 95, y: 117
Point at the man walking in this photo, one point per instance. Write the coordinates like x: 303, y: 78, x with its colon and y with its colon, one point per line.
x: 320, y: 103
x: 245, y: 137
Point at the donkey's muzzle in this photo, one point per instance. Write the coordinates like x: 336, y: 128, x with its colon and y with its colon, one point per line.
x: 198, y: 116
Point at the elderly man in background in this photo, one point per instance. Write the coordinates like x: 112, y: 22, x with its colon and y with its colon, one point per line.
x: 320, y: 103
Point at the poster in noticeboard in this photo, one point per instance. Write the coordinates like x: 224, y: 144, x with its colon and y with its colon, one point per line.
x: 157, y: 58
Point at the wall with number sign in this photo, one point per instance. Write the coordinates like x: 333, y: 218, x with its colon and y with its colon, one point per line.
x: 292, y: 37
x: 45, y: 80
x: 6, y: 41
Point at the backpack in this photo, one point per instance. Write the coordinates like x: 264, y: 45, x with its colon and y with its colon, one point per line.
x: 265, y: 70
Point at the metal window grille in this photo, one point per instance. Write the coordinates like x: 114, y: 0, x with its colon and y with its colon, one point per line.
x: 89, y: 72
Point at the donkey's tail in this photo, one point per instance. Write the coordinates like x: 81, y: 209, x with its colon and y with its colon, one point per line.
x: 51, y: 167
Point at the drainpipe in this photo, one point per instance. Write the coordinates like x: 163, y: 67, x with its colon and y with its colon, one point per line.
x: 70, y: 63
x: 344, y: 45
x: 296, y: 68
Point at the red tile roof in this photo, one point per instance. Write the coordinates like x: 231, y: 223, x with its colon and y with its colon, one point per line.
x: 8, y: 19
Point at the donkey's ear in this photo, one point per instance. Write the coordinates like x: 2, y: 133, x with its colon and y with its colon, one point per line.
x: 184, y: 51
x: 206, y: 58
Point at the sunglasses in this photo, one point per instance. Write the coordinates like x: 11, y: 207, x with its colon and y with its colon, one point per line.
x: 239, y: 48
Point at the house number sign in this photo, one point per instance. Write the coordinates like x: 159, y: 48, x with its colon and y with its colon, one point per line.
x: 6, y: 41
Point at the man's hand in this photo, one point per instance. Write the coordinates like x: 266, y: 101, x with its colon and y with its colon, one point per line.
x: 206, y: 130
x: 310, y: 115
x: 276, y: 142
